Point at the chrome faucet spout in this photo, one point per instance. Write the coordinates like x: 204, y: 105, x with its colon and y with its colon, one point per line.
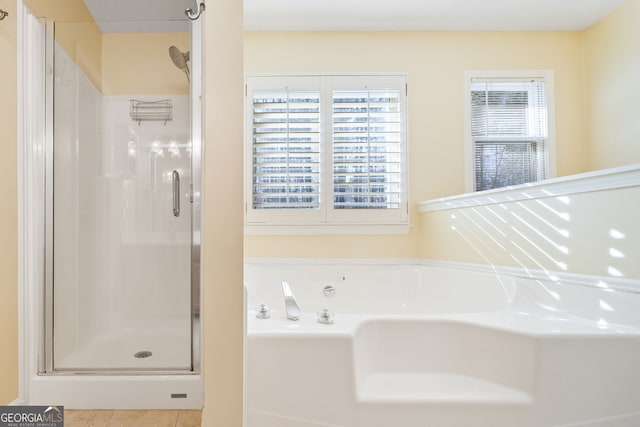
x: 291, y: 307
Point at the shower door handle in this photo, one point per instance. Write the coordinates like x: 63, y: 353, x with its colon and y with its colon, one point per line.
x: 176, y: 193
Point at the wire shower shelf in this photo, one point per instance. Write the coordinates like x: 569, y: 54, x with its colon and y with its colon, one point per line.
x: 144, y: 111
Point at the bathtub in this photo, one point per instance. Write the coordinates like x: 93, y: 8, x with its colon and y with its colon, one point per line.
x: 422, y: 345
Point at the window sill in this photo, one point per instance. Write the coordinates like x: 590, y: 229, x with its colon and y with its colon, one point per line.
x: 326, y: 229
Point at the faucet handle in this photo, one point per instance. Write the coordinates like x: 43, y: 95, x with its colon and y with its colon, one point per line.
x: 263, y: 311
x: 290, y: 304
x: 325, y: 316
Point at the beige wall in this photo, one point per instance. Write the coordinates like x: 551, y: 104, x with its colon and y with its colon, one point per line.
x: 76, y: 32
x: 8, y: 215
x: 222, y: 228
x: 612, y: 64
x: 82, y: 41
x: 139, y: 64
x: 116, y: 63
x: 435, y: 63
x: 331, y: 246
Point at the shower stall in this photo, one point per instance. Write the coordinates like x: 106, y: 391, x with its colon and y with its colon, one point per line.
x: 111, y: 185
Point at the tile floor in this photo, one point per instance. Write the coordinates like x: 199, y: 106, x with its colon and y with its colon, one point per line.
x: 132, y: 418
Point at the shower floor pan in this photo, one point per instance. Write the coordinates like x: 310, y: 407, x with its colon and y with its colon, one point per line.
x: 105, y: 374
x: 128, y: 349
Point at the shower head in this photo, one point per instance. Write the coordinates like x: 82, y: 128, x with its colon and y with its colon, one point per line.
x: 180, y: 60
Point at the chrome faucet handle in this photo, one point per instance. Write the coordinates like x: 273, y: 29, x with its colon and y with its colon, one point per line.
x: 325, y: 317
x: 263, y: 311
x: 290, y: 305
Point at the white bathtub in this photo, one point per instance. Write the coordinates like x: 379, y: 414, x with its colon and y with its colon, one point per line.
x: 413, y: 345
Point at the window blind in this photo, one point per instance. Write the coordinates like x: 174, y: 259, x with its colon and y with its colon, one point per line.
x: 500, y: 164
x: 286, y: 150
x: 366, y: 148
x: 509, y: 128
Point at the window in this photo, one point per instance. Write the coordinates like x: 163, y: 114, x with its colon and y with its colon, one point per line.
x: 326, y: 150
x: 507, y: 124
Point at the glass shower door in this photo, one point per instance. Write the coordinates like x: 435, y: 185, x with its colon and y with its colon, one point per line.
x: 120, y: 202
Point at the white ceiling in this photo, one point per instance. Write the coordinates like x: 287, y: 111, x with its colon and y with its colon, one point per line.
x: 131, y: 16
x: 363, y: 15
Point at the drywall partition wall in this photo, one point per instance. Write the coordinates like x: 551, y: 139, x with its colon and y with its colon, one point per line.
x: 435, y: 63
x: 223, y: 292
x: 584, y: 224
x: 76, y: 31
x: 612, y: 67
x: 9, y: 200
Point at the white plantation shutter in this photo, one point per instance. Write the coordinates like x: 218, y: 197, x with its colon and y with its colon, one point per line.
x: 286, y: 150
x: 509, y: 129
x: 326, y: 150
x: 367, y: 149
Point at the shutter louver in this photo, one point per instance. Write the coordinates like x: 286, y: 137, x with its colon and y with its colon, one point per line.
x: 286, y: 150
x: 366, y: 149
x: 509, y: 128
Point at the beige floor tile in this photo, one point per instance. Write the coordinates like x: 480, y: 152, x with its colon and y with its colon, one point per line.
x: 144, y: 418
x: 84, y: 418
x: 189, y: 418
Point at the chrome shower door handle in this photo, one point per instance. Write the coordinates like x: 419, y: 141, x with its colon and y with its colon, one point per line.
x: 176, y: 193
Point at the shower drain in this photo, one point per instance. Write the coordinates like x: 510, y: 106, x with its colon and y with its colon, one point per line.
x: 142, y: 354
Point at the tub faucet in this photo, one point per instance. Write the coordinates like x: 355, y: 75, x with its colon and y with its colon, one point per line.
x: 293, y: 312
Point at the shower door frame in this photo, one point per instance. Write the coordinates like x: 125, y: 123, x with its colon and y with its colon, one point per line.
x: 36, y: 270
x: 196, y: 91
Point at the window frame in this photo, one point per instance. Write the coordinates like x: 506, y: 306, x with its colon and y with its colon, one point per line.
x: 327, y: 219
x: 517, y: 75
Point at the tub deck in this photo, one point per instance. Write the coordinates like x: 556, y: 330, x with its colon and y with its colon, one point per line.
x: 527, y: 361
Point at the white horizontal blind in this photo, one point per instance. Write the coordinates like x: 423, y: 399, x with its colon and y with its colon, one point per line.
x: 500, y: 164
x: 286, y: 150
x: 509, y: 128
x: 366, y: 149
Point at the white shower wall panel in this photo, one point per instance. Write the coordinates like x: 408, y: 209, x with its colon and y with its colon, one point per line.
x: 78, y: 214
x: 121, y: 257
x: 152, y: 245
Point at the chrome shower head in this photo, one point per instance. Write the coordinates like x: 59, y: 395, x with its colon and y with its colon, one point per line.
x: 180, y: 60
